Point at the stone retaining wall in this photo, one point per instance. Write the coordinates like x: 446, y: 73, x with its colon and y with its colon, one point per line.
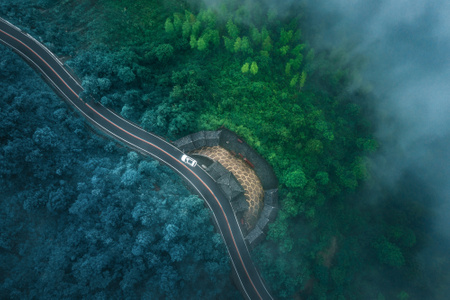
x: 229, y: 184
x: 232, y: 142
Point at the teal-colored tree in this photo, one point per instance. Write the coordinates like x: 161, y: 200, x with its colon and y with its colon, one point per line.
x: 164, y: 52
x: 388, y: 253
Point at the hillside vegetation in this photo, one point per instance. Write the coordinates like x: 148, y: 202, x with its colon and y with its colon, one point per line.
x: 176, y: 68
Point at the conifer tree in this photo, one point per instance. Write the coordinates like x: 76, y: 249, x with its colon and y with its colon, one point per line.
x: 168, y: 26
x: 201, y: 44
x: 254, y: 68
x: 245, y: 68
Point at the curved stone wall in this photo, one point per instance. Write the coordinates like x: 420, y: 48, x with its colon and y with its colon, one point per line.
x: 228, y: 182
x: 253, y: 190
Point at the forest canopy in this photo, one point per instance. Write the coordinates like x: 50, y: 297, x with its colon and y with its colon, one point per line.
x: 81, y: 216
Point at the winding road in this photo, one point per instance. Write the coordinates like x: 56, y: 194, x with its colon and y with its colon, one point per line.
x: 67, y: 86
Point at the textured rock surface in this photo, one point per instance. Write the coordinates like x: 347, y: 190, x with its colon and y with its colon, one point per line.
x: 254, y: 193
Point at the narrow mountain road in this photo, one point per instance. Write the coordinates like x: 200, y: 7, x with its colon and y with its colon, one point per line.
x: 56, y: 75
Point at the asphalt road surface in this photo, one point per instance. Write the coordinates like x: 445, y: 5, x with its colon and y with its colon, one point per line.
x: 67, y: 86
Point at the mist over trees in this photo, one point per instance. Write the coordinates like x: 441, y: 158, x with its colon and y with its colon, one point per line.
x: 404, y: 46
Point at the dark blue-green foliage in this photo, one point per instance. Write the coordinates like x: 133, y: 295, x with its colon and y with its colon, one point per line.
x: 57, y: 35
x: 136, y: 80
x: 81, y: 217
x: 165, y: 103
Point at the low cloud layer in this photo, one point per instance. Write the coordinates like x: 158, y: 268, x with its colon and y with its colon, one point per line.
x: 406, y: 46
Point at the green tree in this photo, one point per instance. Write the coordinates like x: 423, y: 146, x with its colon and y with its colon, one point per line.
x: 193, y: 41
x: 388, y: 253
x: 310, y: 55
x: 237, y: 45
x: 168, y: 26
x: 267, y: 44
x: 254, y: 68
x: 322, y: 177
x: 196, y: 28
x: 245, y: 46
x: 285, y: 37
x: 126, y: 75
x: 402, y: 236
x: 164, y: 52
x: 201, y: 44
x: 302, y: 80
x: 188, y: 16
x: 186, y: 29
x: 296, y: 62
x: 256, y: 36
x: 298, y: 50
x: 209, y: 18
x: 293, y: 81
x: 287, y: 69
x: 245, y: 68
x: 233, y: 30
x: 295, y: 178
x: 284, y: 50
x: 229, y: 44
x: 314, y: 146
x: 213, y: 36
x: 177, y: 21
x: 264, y: 54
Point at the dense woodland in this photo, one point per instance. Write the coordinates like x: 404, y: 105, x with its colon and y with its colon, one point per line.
x: 82, y: 217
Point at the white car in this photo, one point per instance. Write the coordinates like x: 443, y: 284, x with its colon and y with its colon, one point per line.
x: 189, y: 160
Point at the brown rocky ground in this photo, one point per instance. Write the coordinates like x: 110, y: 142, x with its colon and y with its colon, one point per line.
x: 254, y: 192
